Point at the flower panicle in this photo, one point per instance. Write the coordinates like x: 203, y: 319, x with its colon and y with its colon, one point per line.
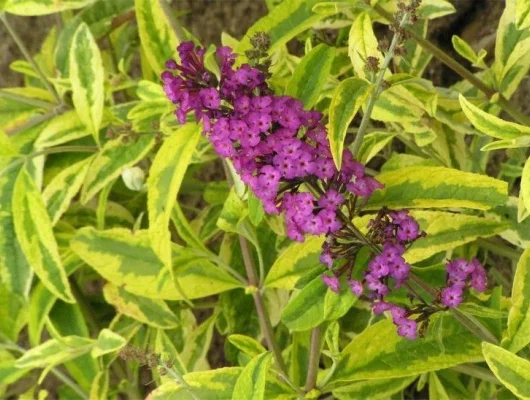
x: 282, y: 152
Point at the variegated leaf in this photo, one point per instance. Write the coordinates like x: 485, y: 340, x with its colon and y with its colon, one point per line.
x: 87, y: 77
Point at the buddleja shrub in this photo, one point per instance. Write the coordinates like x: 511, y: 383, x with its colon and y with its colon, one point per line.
x: 351, y: 245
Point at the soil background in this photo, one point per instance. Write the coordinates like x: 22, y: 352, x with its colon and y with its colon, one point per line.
x: 475, y: 21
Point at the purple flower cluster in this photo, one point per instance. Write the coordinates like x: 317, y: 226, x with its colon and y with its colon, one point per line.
x: 397, y: 230
x: 275, y: 145
x: 462, y: 274
x: 282, y: 152
x: 406, y: 327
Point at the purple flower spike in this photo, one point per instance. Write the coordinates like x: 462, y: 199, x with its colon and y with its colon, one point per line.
x: 332, y: 282
x: 356, y: 287
x: 408, y: 328
x: 452, y: 296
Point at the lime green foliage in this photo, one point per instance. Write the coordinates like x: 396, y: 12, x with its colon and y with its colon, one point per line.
x: 435, y: 187
x: 86, y: 75
x: 121, y: 227
x: 347, y: 100
x: 163, y: 184
x: 380, y: 353
x: 310, y: 75
x: 517, y: 335
x: 42, y: 7
x: 512, y: 371
x: 158, y: 40
x: 250, y: 385
x: 34, y: 232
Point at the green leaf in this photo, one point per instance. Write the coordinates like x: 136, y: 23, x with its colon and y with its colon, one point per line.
x: 251, y: 383
x: 372, y: 144
x: 167, y: 350
x: 512, y: 52
x: 35, y: 236
x: 100, y: 386
x: 8, y: 372
x: 348, y: 97
x: 14, y: 113
x: 431, y: 9
x: 522, y: 14
x: 108, y: 342
x: 296, y: 261
x: 398, y: 104
x: 518, y: 233
x: 15, y: 271
x: 314, y: 304
x: 465, y: 50
x: 158, y: 40
x: 42, y: 300
x: 521, y: 141
x: 13, y: 313
x: 306, y: 309
x: 449, y: 230
x: 63, y: 188
x: 54, y: 352
x: 490, y: 124
x: 436, y: 388
x: 373, y: 389
x: 61, y: 129
x: 217, y: 384
x: 42, y: 7
x: 362, y: 43
x: 163, y: 184
x: 378, y: 352
x: 511, y: 370
x: 7, y: 149
x: 185, y: 230
x: 87, y: 77
x: 283, y: 23
x: 67, y: 320
x: 198, y: 277
x: 310, y: 75
x: 435, y: 187
x: 247, y: 345
x: 197, y: 344
x: 234, y: 210
x: 109, y: 163
x: 152, y: 312
x: 525, y: 185
x: 129, y: 261
x: 518, y: 333
x: 255, y: 209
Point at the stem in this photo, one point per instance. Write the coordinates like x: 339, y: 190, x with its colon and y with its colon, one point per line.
x: 27, y: 100
x: 445, y: 58
x: 314, y: 358
x: 377, y: 90
x: 263, y: 316
x: 28, y: 57
x: 175, y: 26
